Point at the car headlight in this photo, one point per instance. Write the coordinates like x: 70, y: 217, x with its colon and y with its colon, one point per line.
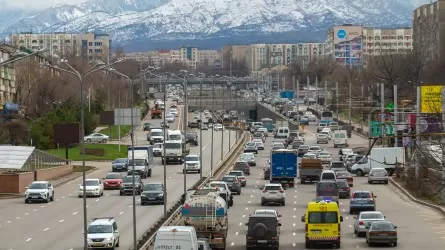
x: 96, y: 189
x: 161, y: 194
x: 108, y: 239
x: 43, y: 194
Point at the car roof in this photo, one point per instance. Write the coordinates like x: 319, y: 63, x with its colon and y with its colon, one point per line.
x: 265, y: 211
x: 193, y: 155
x: 370, y: 212
x: 103, y: 221
x: 228, y: 175
x: 362, y: 191
x: 92, y: 179
x: 273, y: 184
x: 262, y: 216
x: 43, y: 182
x: 241, y: 162
x: 328, y: 171
x: 218, y: 182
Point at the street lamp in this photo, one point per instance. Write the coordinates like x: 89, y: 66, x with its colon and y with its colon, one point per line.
x: 22, y: 55
x: 81, y: 77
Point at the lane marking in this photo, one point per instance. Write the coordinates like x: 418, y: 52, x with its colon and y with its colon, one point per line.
x: 46, y: 229
x: 34, y: 210
x: 130, y: 206
x: 8, y: 221
x: 244, y: 216
x: 17, y: 218
x: 42, y: 206
x: 121, y: 213
x: 69, y: 194
x: 248, y: 202
x: 295, y: 209
x: 240, y: 223
x: 98, y: 200
x: 74, y: 213
x: 88, y: 205
x: 63, y: 197
x: 203, y: 147
x: 294, y: 244
x: 294, y: 234
x: 295, y: 202
x: 294, y: 225
x: 247, y: 208
x: 294, y: 216
x: 236, y: 233
x: 107, y: 195
x: 232, y: 244
x: 57, y: 199
x: 29, y: 239
x: 60, y: 221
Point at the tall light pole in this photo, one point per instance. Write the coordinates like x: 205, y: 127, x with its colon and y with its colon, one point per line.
x: 186, y: 113
x: 213, y: 123
x: 200, y: 127
x: 81, y: 77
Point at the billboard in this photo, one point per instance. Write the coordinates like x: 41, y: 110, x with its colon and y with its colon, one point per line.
x: 431, y: 99
x: 430, y: 124
x: 348, y: 45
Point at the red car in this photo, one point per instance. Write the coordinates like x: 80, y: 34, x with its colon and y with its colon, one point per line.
x: 112, y: 181
x: 345, y: 176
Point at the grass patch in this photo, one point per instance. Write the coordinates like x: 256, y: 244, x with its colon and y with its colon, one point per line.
x: 80, y: 168
x: 111, y: 152
x: 114, y: 131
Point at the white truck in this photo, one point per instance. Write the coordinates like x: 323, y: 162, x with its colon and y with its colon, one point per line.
x: 387, y: 158
x: 142, y: 160
x: 340, y: 138
x: 173, y: 152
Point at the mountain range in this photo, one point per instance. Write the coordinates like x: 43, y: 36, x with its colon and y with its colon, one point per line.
x: 148, y: 24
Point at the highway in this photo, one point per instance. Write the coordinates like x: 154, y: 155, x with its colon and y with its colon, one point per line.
x: 418, y: 227
x: 59, y: 225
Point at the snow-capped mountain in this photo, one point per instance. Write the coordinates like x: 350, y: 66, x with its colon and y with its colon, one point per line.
x: 196, y: 22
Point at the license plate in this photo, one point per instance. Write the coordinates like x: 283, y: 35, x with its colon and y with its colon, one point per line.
x: 34, y: 197
x: 262, y: 241
x: 273, y: 192
x: 316, y: 232
x: 151, y: 199
x: 361, y: 201
x: 97, y: 244
x: 383, y: 234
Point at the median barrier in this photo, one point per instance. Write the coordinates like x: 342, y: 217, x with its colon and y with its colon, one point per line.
x: 174, y: 213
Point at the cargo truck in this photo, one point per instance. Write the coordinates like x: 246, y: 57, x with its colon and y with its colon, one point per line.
x: 387, y: 158
x: 310, y: 170
x: 283, y: 164
x: 207, y: 213
x: 156, y: 112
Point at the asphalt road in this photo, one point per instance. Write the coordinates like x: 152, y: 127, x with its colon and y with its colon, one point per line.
x: 59, y: 225
x: 419, y: 227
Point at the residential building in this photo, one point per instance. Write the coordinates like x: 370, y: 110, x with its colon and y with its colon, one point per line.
x: 89, y: 46
x: 429, y: 30
x: 387, y: 41
x: 208, y: 57
x: 258, y: 57
x: 7, y: 74
x: 345, y: 44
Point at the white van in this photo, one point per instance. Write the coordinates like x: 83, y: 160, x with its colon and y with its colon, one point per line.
x: 176, y: 237
x: 340, y: 138
x: 282, y: 132
x: 175, y: 136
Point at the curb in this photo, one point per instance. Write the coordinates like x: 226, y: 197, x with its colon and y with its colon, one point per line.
x: 11, y: 196
x: 73, y: 178
x: 405, y: 192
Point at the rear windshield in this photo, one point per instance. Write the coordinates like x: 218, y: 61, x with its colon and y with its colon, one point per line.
x: 367, y: 216
x: 273, y: 188
x: 327, y: 189
x: 328, y: 176
x: 382, y: 226
x: 240, y: 164
x: 229, y: 179
x: 269, y: 222
x: 337, y: 165
x: 322, y: 217
x: 361, y: 195
x: 342, y: 184
x: 236, y: 173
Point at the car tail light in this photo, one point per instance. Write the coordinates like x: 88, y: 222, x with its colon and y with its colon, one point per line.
x: 281, y: 190
x: 361, y: 223
x: 347, y: 189
x: 274, y: 238
x: 392, y: 233
x: 373, y: 233
x: 264, y: 191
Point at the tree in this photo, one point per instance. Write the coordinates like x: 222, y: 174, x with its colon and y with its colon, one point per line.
x: 15, y: 132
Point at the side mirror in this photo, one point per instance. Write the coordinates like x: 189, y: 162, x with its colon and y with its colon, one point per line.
x: 279, y: 224
x: 355, y: 217
x: 395, y: 227
x: 303, y: 218
x: 341, y: 218
x: 279, y: 215
x: 246, y: 224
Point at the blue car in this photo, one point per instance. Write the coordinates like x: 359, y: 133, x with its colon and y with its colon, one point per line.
x: 362, y: 201
x: 304, y: 121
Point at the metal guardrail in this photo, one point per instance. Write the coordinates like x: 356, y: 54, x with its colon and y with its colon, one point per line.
x: 149, y: 236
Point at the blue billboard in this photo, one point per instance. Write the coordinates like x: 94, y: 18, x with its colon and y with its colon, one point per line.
x: 289, y: 94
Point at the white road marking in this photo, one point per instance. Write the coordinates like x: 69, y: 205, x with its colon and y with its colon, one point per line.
x: 257, y: 182
x: 295, y: 196
x: 344, y: 210
x: 88, y: 205
x: 294, y: 216
x: 60, y: 221
x: 8, y: 221
x: 121, y: 212
x: 248, y: 202
x: 29, y: 239
x: 203, y: 147
x: 107, y: 195
x: 42, y: 206
x: 253, y: 191
x: 295, y: 191
x: 170, y: 177
x: 294, y: 244
x: 294, y: 234
x: 295, y: 202
x: 358, y: 246
x: 247, y: 208
x: 69, y: 194
x: 240, y: 223
x: 50, y: 203
x: 251, y: 196
x: 74, y: 213
x: 17, y: 218
x: 232, y: 244
x: 347, y: 217
x: 139, y: 200
x: 57, y: 199
x: 130, y: 206
x: 350, y: 225
x: 98, y: 200
x: 294, y: 225
x: 256, y: 186
x: 236, y: 233
x: 244, y: 216
x: 34, y: 210
x: 341, y: 203
x: 295, y: 209
x: 46, y: 229
x: 63, y: 197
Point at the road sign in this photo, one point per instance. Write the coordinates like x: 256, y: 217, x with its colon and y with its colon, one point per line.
x: 390, y: 107
x: 376, y: 128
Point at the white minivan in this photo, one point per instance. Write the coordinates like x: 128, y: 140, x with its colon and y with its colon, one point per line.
x: 282, y: 132
x: 176, y: 237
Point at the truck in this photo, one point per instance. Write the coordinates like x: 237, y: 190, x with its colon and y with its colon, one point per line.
x: 310, y: 170
x: 387, y: 158
x: 207, y: 213
x: 156, y: 112
x: 283, y: 164
x: 340, y: 138
x: 143, y: 160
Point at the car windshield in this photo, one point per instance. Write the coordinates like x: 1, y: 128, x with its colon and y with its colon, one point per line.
x: 303, y: 147
x: 175, y: 137
x: 220, y: 185
x: 342, y: 174
x: 237, y: 173
x: 172, y: 145
x: 137, y: 162
x: 347, y: 151
x: 100, y: 229
x: 37, y: 186
x: 130, y: 179
x: 314, y: 148
x: 371, y: 216
x: 323, y: 135
x: 91, y: 183
x: 322, y: 217
x: 156, y: 133
x: 229, y: 178
x: 192, y: 158
x: 247, y: 156
x: 327, y: 189
x: 121, y: 160
x: 342, y: 184
x: 324, y: 153
x: 337, y: 165
x: 361, y: 195
x: 113, y: 176
x: 251, y: 144
x: 153, y: 187
x: 382, y: 226
x: 157, y: 145
x: 169, y: 116
x: 378, y: 170
x: 273, y: 188
x: 266, y: 212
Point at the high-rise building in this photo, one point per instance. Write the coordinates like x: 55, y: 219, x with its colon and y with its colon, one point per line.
x: 387, y: 41
x: 429, y: 30
x: 7, y: 74
x: 345, y: 44
x: 88, y: 46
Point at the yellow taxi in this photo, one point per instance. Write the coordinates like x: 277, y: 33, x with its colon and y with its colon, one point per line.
x: 322, y: 224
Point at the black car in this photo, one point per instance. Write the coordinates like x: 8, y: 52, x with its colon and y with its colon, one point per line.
x: 344, y: 191
x: 304, y: 121
x: 302, y: 150
x: 127, y: 185
x: 263, y: 231
x: 266, y: 173
x: 192, y: 138
x: 147, y: 126
x: 119, y: 165
x: 152, y: 193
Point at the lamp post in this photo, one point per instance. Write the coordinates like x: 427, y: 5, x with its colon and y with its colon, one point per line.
x: 213, y: 125
x: 81, y: 77
x: 200, y: 127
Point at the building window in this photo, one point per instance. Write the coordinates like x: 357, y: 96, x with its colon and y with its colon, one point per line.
x: 90, y: 44
x: 376, y: 37
x: 97, y: 43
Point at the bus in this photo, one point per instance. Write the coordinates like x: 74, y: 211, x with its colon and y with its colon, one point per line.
x: 327, y: 116
x: 268, y: 123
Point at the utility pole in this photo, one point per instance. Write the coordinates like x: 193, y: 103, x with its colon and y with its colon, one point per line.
x: 336, y: 98
x: 382, y: 110
x: 396, y: 113
x: 325, y: 93
x: 350, y: 102
x: 316, y: 92
x: 298, y: 104
x: 417, y: 167
x: 442, y: 191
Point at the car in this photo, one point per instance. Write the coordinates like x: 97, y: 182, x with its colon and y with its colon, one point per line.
x: 263, y: 231
x: 241, y: 177
x: 344, y: 191
x: 233, y: 182
x: 310, y: 156
x: 283, y: 141
x: 127, y: 185
x: 337, y: 166
x: 321, y: 126
x: 223, y: 187
x: 297, y: 142
x: 278, y: 145
x: 268, y: 211
x: 39, y: 191
x: 304, y: 121
x: 322, y: 138
x: 381, y: 232
x: 378, y: 175
x: 343, y: 152
x: 93, y: 187
x: 112, y: 181
x: 96, y: 137
x: 264, y: 131
x: 192, y: 163
x: 153, y: 193
x: 266, y: 173
x: 273, y: 193
x: 260, y: 144
x: 328, y: 175
x: 327, y: 190
x: 312, y: 118
x: 334, y: 126
x: 158, y: 149
x: 302, y: 150
x: 192, y: 138
x: 325, y: 157
x: 119, y: 165
x: 258, y: 135
x: 314, y: 150
x: 218, y: 127
x: 362, y: 200
x: 249, y: 157
x: 251, y: 147
x: 351, y: 160
x: 364, y: 218
x: 345, y: 175
x: 156, y: 135
x: 147, y: 126
x: 174, y: 111
x: 103, y: 232
x: 242, y: 166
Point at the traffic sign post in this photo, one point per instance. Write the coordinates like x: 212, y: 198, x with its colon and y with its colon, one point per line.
x: 390, y: 107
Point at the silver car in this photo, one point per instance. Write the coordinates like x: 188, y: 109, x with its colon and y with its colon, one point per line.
x: 378, y: 175
x: 96, y: 137
x: 362, y: 220
x: 322, y: 138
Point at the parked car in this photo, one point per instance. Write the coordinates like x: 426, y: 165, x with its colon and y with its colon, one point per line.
x: 96, y: 137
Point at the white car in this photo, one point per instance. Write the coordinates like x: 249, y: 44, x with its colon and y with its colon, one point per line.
x: 94, y: 187
x: 378, y: 175
x: 158, y: 149
x: 267, y: 211
x: 218, y: 127
x: 325, y: 157
x: 96, y: 137
x: 174, y: 112
x: 103, y: 233
x: 314, y: 150
x: 170, y: 118
x: 310, y: 156
x: 192, y: 163
x: 39, y: 191
x: 264, y: 131
x: 273, y: 193
x: 366, y: 217
x: 259, y: 143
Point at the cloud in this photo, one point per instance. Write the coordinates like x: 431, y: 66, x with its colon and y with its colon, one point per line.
x: 34, y: 4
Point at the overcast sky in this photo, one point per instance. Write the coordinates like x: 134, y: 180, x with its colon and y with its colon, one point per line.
x: 34, y: 4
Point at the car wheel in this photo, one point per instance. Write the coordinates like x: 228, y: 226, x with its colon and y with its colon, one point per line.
x: 283, y: 203
x: 351, y: 212
x: 394, y: 244
x: 118, y: 242
x: 52, y: 198
x: 308, y: 245
x: 369, y: 182
x: 26, y: 201
x: 47, y: 200
x: 386, y: 182
x: 121, y: 194
x: 104, y: 141
x: 359, y: 172
x: 238, y: 193
x: 88, y: 140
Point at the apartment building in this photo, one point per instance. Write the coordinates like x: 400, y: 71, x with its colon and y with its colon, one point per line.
x: 89, y: 46
x: 429, y: 30
x: 7, y: 74
x: 387, y: 41
x: 344, y: 44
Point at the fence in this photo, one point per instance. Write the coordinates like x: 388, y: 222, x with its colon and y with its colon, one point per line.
x: 40, y: 160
